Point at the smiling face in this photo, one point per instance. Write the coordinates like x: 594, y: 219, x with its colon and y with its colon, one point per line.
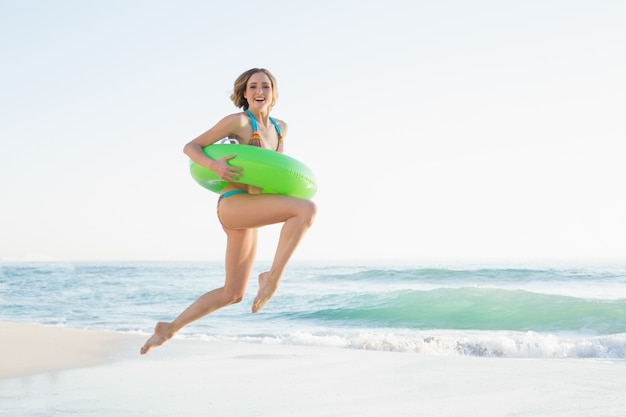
x: 259, y: 91
x: 255, y: 87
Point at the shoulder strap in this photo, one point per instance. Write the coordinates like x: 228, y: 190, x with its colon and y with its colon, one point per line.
x: 253, y: 120
x: 255, y: 126
x: 276, y: 126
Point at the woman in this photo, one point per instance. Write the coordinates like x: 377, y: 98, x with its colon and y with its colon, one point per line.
x: 241, y: 209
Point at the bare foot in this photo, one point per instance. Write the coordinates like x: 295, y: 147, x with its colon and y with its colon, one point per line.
x: 162, y: 334
x: 266, y: 291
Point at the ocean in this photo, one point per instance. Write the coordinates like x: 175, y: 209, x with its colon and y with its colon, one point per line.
x: 577, y: 312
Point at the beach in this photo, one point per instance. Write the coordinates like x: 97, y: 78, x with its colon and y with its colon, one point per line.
x: 48, y: 371
x: 467, y: 257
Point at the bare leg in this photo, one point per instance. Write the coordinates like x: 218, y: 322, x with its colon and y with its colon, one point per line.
x: 242, y: 215
x: 206, y: 304
x: 290, y: 235
x: 240, y: 252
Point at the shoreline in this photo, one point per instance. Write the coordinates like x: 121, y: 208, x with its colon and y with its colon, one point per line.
x: 100, y: 374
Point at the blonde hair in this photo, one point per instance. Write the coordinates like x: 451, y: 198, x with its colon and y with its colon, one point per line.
x: 242, y: 82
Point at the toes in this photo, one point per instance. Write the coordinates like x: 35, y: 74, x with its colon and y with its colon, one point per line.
x: 257, y: 305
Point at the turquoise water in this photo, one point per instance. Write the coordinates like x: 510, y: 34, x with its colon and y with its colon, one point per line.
x: 561, y: 312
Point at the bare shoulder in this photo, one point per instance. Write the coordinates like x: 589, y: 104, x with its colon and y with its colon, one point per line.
x: 283, y: 125
x: 235, y: 120
x: 234, y: 125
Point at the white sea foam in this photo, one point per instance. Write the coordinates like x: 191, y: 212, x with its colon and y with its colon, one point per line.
x: 486, y: 312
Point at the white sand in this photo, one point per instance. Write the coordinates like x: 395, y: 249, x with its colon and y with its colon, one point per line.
x: 188, y: 378
x: 29, y: 348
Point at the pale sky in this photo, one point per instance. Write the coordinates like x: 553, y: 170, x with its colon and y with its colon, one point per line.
x: 438, y: 130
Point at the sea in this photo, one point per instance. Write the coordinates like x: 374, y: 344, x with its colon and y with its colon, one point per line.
x: 521, y: 312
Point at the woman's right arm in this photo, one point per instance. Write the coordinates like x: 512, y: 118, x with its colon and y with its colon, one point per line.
x: 229, y: 125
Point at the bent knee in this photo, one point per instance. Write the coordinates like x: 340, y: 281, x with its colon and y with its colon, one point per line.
x: 308, y: 212
x: 234, y: 298
x: 232, y: 295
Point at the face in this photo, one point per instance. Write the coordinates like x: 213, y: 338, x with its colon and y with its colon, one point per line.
x: 259, y: 91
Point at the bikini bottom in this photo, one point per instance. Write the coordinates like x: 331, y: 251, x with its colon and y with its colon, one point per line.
x: 226, y: 195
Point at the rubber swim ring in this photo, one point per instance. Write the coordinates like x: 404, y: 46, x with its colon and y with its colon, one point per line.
x: 276, y: 173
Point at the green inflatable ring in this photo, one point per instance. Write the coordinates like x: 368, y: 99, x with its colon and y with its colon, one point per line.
x: 276, y: 173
